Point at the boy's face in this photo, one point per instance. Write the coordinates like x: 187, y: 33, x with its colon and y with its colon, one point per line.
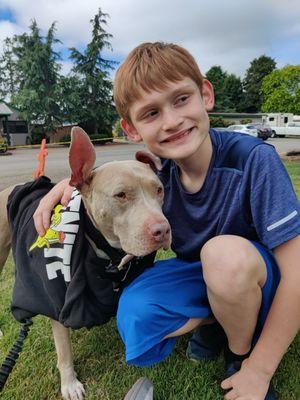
x: 173, y: 123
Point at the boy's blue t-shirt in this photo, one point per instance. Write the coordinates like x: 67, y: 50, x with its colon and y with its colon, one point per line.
x: 246, y: 192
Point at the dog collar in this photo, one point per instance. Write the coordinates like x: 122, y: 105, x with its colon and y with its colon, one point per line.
x: 118, y: 257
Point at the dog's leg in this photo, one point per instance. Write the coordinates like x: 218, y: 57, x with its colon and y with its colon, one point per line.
x: 71, y: 388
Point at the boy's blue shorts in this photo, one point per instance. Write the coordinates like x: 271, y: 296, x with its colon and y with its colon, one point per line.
x: 165, y: 297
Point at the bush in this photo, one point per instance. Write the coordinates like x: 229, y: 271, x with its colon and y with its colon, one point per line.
x: 246, y: 121
x: 37, y: 136
x: 219, y: 122
x: 65, y: 138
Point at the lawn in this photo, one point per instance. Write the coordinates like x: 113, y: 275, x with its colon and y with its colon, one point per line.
x: 99, y: 359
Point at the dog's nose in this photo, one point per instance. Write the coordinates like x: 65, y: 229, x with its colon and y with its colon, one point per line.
x: 159, y: 230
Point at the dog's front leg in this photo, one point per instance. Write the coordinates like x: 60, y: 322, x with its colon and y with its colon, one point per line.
x: 71, y: 388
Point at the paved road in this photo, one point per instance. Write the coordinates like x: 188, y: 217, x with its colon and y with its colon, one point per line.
x: 285, y: 145
x: 19, y: 166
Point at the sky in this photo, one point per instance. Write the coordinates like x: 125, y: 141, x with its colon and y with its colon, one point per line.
x: 229, y: 33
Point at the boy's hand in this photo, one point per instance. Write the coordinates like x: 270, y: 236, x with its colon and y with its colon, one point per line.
x: 247, y: 384
x: 61, y: 193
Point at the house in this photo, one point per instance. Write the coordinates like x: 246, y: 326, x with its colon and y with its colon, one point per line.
x: 12, y: 127
x: 60, y: 132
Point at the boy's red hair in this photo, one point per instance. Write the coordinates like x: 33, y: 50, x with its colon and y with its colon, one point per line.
x: 150, y: 66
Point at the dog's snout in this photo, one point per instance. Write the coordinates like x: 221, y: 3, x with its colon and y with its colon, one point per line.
x: 159, y: 230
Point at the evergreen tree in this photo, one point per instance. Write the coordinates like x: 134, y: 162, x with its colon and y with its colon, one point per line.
x: 228, y: 90
x: 217, y: 77
x: 234, y: 95
x: 38, y: 72
x: 259, y: 68
x: 95, y: 90
x: 71, y: 104
x: 8, y: 71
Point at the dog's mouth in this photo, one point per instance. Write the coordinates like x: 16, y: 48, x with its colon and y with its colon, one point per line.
x: 125, y: 260
x: 147, y: 247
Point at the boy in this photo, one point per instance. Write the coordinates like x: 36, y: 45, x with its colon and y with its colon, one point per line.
x: 235, y: 226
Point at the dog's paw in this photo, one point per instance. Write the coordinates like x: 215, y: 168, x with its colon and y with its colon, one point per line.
x: 74, y: 390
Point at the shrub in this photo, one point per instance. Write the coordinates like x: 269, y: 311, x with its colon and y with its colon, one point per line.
x: 37, y: 136
x: 246, y: 121
x: 65, y: 138
x: 219, y: 122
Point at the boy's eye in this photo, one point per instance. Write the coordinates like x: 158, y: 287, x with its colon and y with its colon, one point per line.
x: 182, y: 99
x: 150, y: 114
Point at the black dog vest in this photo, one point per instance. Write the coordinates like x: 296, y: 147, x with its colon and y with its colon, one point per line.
x: 60, y: 275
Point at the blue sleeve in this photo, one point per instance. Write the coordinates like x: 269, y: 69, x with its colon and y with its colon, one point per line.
x: 274, y: 207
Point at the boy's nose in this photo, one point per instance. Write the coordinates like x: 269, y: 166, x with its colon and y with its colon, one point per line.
x: 172, y: 120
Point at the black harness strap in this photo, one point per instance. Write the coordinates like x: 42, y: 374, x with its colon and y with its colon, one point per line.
x: 114, y: 254
x: 13, y: 355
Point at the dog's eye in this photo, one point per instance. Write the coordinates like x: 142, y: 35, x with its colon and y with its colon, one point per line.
x: 120, y: 195
x: 159, y: 190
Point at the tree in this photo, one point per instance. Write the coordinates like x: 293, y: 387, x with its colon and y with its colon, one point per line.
x: 281, y: 90
x: 228, y: 89
x: 71, y: 104
x: 8, y: 71
x: 38, y: 71
x: 217, y: 77
x: 234, y: 95
x: 95, y: 90
x: 259, y: 68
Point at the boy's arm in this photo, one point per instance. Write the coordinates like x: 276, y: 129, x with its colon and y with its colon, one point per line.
x: 60, y: 193
x: 281, y: 327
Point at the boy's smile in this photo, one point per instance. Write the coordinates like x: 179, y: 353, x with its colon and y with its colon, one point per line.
x: 178, y: 136
x: 172, y: 122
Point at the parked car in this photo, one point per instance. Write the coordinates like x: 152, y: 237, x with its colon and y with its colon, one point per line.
x: 256, y: 130
x: 244, y: 129
x: 264, y: 131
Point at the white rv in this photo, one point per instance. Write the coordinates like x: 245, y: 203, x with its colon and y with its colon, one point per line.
x: 283, y: 124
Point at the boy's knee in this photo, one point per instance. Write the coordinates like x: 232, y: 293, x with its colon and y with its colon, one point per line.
x: 231, y: 265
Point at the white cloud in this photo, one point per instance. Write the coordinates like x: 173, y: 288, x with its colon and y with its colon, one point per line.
x: 227, y: 33
x: 65, y: 67
x: 9, y: 29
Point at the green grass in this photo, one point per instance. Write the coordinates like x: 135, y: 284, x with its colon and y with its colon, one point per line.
x: 99, y: 359
x: 293, y: 168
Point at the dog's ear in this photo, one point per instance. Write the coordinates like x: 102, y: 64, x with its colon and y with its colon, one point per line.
x: 149, y: 158
x: 82, y: 157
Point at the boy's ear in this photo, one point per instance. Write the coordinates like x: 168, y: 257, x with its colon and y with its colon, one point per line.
x: 208, y: 95
x: 130, y: 131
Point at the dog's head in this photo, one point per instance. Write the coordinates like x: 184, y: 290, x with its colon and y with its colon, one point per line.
x: 123, y: 198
